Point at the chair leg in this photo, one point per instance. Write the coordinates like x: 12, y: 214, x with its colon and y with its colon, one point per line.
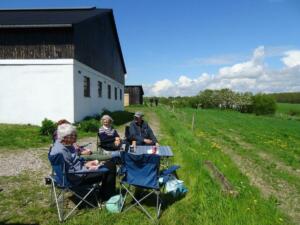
x: 138, y: 202
x: 57, y: 197
x: 158, y: 203
x: 52, y: 200
x: 83, y: 199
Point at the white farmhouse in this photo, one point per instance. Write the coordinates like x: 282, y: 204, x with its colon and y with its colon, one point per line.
x: 59, y: 63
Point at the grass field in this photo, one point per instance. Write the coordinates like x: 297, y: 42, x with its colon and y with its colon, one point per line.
x: 288, y: 110
x: 260, y: 156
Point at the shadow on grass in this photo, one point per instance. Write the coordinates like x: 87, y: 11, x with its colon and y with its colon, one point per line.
x: 6, y: 222
x: 167, y: 200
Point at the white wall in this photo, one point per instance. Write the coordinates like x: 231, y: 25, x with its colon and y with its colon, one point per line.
x: 31, y: 90
x: 85, y: 106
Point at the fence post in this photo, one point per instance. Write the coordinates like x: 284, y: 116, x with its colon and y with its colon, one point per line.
x: 193, y: 121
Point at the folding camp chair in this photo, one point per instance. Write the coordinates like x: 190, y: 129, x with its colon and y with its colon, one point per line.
x: 99, y: 147
x: 142, y: 171
x: 127, y: 136
x: 60, y: 185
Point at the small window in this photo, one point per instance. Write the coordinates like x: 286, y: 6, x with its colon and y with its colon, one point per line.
x: 116, y: 93
x: 121, y: 94
x: 86, y: 87
x: 109, y: 91
x: 99, y: 89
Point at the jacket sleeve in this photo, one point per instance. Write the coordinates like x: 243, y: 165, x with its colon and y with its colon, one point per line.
x: 134, y: 133
x: 151, y: 134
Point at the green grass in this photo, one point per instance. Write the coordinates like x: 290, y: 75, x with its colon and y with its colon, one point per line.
x: 288, y: 110
x: 215, y: 132
x: 193, y: 148
x: 14, y: 136
x: 21, y: 136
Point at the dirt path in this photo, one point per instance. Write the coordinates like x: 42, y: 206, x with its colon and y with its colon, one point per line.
x: 153, y: 121
x: 14, y: 163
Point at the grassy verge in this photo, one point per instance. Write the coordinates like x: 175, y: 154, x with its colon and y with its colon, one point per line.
x: 14, y: 137
x: 21, y: 136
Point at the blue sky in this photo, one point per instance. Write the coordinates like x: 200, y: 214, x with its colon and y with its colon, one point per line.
x: 179, y: 47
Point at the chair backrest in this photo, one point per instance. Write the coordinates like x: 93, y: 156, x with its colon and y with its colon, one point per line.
x: 127, y: 134
x: 58, y: 166
x: 141, y: 170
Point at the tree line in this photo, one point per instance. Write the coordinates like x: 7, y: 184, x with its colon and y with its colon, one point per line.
x: 245, y: 102
x: 289, y: 97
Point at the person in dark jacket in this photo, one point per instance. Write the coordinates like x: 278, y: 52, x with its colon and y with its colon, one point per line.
x: 141, y: 132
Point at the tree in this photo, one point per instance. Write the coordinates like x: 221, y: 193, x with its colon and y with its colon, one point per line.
x: 263, y: 104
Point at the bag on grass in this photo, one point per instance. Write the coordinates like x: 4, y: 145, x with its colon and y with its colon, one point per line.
x: 114, y: 204
x: 175, y: 187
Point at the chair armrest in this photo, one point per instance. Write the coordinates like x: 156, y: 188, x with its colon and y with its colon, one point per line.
x: 169, y: 170
x: 101, y: 169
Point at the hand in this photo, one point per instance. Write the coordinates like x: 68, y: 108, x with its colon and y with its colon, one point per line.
x: 117, y: 141
x: 93, y: 165
x: 157, y: 144
x: 86, y: 152
x: 134, y: 143
x: 148, y: 141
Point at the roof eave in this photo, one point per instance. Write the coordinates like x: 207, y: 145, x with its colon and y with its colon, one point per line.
x: 35, y: 25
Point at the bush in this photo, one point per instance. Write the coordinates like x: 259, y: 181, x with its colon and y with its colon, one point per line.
x: 263, y: 104
x: 90, y: 125
x: 119, y: 117
x: 48, y: 127
x: 294, y: 112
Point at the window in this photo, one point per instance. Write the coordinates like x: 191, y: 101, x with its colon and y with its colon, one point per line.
x: 99, y: 89
x: 121, y: 94
x: 109, y: 91
x: 116, y: 93
x: 86, y: 87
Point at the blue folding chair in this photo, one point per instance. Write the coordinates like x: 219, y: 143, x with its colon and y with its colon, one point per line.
x: 142, y: 171
x: 60, y: 185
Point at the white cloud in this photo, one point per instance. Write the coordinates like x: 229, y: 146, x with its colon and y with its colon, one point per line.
x: 252, y: 75
x: 215, y: 60
x: 292, y: 58
x: 159, y: 88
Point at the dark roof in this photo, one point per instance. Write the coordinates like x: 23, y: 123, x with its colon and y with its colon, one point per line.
x: 134, y: 86
x: 47, y: 17
x: 60, y: 17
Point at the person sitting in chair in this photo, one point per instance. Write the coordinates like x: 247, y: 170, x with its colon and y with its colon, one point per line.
x: 79, y: 149
x: 109, y: 137
x: 140, y: 131
x: 66, y: 137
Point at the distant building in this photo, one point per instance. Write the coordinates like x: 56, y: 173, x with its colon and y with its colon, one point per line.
x: 59, y: 63
x: 133, y: 95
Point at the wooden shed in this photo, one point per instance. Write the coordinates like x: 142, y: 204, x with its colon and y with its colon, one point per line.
x: 133, y: 95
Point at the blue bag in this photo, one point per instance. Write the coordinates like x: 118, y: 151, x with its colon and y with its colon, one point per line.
x: 114, y: 204
x: 175, y: 187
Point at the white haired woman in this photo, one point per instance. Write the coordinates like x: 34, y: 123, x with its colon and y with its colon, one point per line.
x: 66, y: 137
x: 109, y: 137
